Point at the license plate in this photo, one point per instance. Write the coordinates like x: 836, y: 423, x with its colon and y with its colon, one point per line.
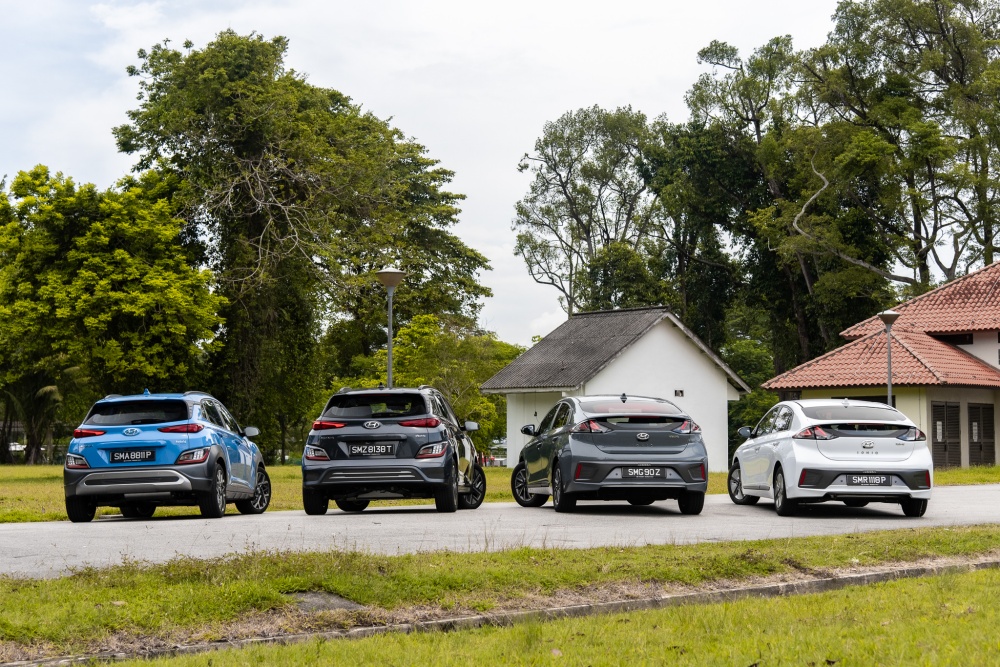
x: 642, y: 473
x: 373, y: 449
x: 132, y: 455
x: 869, y: 480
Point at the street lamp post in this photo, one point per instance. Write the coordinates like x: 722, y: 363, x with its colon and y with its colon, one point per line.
x: 888, y: 317
x: 390, y: 277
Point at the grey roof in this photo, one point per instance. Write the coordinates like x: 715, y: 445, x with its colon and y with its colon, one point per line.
x: 583, y: 346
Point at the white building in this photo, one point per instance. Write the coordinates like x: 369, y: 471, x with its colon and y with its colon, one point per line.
x: 639, y: 352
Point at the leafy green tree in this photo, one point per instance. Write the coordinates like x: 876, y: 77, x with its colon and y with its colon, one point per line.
x: 95, y: 290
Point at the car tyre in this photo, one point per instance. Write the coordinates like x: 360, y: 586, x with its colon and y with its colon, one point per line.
x: 561, y: 501
x: 691, y: 502
x: 261, y: 498
x: 855, y: 503
x: 519, y: 488
x: 314, y: 503
x: 138, y: 510
x: 80, y: 510
x: 352, y: 505
x: 446, y: 499
x: 212, y: 503
x: 783, y: 505
x: 477, y: 490
x: 735, y: 485
x: 914, y: 507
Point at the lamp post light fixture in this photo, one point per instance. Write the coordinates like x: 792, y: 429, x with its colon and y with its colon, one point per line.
x: 390, y: 277
x: 888, y: 317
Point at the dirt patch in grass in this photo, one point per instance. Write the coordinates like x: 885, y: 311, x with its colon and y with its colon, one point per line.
x: 299, y: 619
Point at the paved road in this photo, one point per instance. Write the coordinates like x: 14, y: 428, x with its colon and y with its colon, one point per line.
x: 51, y: 549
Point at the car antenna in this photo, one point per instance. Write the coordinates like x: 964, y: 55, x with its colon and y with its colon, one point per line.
x: 846, y: 403
x: 624, y: 397
x: 381, y: 385
x: 145, y: 392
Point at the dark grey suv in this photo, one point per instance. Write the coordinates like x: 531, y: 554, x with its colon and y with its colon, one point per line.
x: 632, y: 448
x: 390, y: 443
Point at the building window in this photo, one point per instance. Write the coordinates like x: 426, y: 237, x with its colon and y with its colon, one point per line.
x: 956, y: 339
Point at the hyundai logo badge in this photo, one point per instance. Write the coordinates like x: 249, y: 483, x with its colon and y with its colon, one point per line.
x: 373, y: 424
x: 130, y: 431
x: 642, y: 437
x: 868, y: 444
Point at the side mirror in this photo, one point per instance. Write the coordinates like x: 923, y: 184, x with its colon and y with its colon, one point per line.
x: 251, y: 431
x: 745, y: 432
x: 471, y: 426
x: 528, y: 430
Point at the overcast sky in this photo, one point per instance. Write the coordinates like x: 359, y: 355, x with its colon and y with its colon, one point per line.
x: 472, y: 81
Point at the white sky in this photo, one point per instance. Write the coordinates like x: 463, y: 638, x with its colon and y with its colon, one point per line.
x: 472, y: 81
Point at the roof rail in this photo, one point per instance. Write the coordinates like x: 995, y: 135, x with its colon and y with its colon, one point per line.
x: 113, y: 396
x: 425, y: 386
x: 344, y: 390
x: 188, y: 393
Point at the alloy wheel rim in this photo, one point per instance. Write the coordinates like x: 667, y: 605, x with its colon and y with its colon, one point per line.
x: 220, y: 489
x: 478, y: 486
x: 779, y: 490
x: 521, y: 484
x: 736, y: 484
x: 557, y: 488
x: 262, y: 493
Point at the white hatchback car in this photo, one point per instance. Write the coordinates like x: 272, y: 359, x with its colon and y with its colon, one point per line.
x: 811, y: 451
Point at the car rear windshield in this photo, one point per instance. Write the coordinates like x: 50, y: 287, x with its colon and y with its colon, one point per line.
x: 858, y: 413
x: 120, y: 413
x: 632, y: 407
x: 381, y: 405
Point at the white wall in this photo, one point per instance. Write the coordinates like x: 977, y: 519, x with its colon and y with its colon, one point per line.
x: 664, y: 361
x: 521, y: 410
x: 986, y: 346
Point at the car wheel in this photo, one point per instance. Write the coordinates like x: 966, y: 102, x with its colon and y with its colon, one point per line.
x: 80, y: 510
x: 914, y: 507
x: 735, y: 484
x: 314, y: 503
x: 477, y: 490
x: 261, y: 495
x: 783, y: 505
x: 640, y: 502
x: 691, y: 502
x: 352, y: 505
x: 855, y: 503
x: 519, y: 488
x: 446, y: 500
x: 561, y: 501
x: 213, y: 502
x: 138, y: 510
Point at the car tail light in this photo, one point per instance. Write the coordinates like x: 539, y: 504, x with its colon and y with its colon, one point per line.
x: 74, y: 462
x: 432, y: 451
x: 425, y: 422
x: 199, y: 455
x: 316, y: 454
x: 87, y: 433
x: 589, y: 426
x: 323, y: 425
x: 181, y: 428
x: 814, y: 433
x: 912, y: 434
x: 687, y: 426
x: 579, y: 469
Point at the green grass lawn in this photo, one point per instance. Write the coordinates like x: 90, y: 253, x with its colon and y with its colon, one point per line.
x: 35, y: 493
x: 189, y: 599
x: 946, y: 620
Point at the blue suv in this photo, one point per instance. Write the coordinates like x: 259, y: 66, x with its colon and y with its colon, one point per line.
x: 140, y: 452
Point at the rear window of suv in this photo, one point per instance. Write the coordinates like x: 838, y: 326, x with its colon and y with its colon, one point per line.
x: 121, y: 413
x: 631, y: 407
x: 381, y: 405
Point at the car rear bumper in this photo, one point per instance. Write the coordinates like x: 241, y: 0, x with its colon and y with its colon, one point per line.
x: 412, y: 478
x: 608, y: 479
x: 139, y: 483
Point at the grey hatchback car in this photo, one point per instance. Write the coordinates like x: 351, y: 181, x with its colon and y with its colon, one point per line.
x: 635, y: 448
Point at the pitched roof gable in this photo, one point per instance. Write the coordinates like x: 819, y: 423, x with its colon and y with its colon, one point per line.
x: 584, y: 345
x: 917, y: 359
x: 969, y: 303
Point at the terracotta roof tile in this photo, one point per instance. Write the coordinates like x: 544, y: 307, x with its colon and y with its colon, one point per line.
x: 969, y: 303
x: 917, y: 359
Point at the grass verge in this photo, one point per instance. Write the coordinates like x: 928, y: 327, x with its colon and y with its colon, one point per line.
x: 109, y: 606
x: 946, y: 620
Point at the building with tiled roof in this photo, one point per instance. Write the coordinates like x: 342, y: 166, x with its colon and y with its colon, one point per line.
x: 945, y: 367
x: 638, y: 351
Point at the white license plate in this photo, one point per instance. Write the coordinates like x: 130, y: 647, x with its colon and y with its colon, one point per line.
x: 373, y: 449
x: 643, y: 473
x: 132, y: 456
x: 869, y: 480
